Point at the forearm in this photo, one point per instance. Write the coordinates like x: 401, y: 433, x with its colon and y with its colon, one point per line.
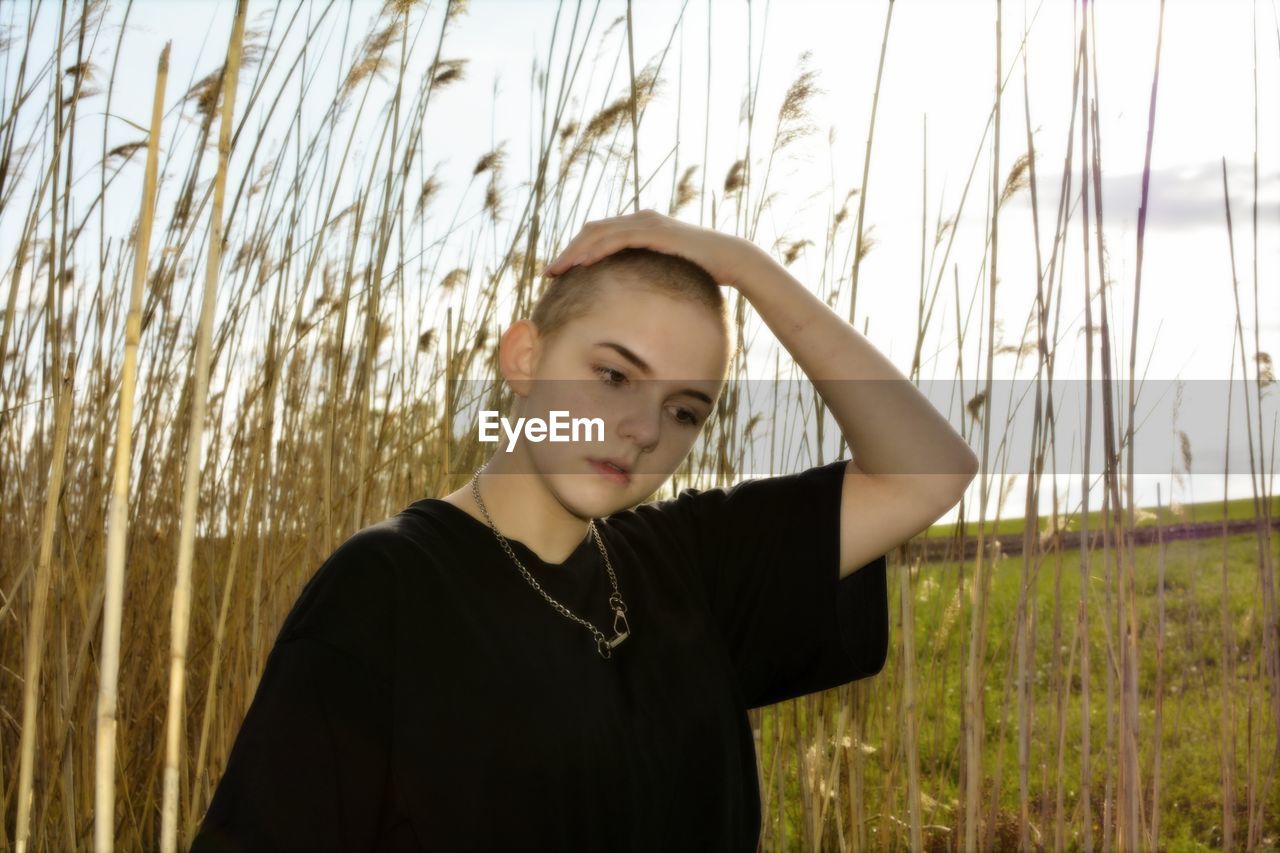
x: 890, y: 426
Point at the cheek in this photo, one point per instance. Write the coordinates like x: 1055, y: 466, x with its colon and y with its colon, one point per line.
x: 579, y: 397
x: 576, y: 397
x: 673, y: 447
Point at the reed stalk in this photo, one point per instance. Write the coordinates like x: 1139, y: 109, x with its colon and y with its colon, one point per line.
x: 180, y: 622
x: 910, y: 746
x: 974, y: 711
x: 1133, y: 827
x: 1086, y: 781
x: 860, y: 233
x: 1030, y: 575
x: 35, y: 645
x: 350, y: 294
x: 1257, y: 793
x: 1262, y: 505
x: 1157, y: 727
x: 108, y: 679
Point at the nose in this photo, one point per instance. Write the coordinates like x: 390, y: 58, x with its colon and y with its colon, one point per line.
x: 641, y: 424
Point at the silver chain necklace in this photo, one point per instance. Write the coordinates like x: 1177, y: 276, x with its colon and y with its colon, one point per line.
x: 604, y: 646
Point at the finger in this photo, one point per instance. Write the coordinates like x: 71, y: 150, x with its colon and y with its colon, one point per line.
x: 568, y: 257
x: 590, y: 234
x: 606, y: 243
x: 574, y: 247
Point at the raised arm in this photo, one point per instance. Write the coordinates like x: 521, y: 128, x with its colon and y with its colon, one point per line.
x: 910, y: 466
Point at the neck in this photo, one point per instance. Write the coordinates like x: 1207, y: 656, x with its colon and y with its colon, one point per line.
x: 522, y: 508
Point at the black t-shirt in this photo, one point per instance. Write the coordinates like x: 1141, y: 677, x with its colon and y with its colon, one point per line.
x: 422, y: 694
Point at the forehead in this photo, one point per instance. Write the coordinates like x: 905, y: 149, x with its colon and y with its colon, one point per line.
x: 676, y: 337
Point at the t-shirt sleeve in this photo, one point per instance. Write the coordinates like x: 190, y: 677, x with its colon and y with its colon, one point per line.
x: 309, y: 764
x: 766, y: 553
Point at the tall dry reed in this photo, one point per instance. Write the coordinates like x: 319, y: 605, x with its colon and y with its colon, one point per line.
x: 351, y: 280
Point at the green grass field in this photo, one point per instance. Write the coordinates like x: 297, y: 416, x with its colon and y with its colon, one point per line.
x: 1191, y: 790
x: 1144, y: 517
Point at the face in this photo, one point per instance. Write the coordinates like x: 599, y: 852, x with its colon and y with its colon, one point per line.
x: 650, y: 366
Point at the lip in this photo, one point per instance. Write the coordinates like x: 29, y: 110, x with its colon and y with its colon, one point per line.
x: 620, y: 477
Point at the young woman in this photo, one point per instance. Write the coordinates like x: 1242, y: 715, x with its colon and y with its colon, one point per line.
x: 541, y: 660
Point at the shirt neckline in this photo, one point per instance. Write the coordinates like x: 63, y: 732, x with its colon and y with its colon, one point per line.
x: 578, y: 558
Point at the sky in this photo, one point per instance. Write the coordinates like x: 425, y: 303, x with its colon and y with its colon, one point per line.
x: 939, y: 68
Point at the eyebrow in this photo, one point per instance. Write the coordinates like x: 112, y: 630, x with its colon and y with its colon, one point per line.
x: 643, y: 367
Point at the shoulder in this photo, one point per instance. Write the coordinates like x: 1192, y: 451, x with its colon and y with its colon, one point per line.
x: 355, y: 588
x: 375, y: 554
x: 381, y: 546
x: 672, y: 521
x: 747, y: 508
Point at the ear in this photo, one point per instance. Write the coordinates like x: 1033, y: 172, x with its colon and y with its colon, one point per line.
x: 518, y: 352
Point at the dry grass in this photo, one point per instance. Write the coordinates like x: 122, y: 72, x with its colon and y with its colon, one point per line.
x: 299, y: 400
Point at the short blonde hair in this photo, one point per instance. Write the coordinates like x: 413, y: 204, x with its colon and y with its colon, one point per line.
x: 573, y: 293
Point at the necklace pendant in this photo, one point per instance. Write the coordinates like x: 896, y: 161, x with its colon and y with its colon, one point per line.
x: 620, y: 634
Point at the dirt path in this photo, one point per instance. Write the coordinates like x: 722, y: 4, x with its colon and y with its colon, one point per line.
x: 939, y: 549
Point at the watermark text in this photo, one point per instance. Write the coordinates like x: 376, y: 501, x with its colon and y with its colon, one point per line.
x: 537, y: 429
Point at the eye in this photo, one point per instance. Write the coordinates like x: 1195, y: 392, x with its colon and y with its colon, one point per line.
x: 692, y: 419
x: 616, y: 379
x: 606, y: 374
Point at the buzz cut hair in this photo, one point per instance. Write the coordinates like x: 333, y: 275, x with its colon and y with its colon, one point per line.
x: 573, y: 293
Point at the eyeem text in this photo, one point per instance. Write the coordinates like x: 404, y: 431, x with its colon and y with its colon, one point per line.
x: 536, y: 429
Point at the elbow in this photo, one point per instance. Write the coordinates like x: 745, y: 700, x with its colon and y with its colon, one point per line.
x: 971, y: 473
x: 968, y: 467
